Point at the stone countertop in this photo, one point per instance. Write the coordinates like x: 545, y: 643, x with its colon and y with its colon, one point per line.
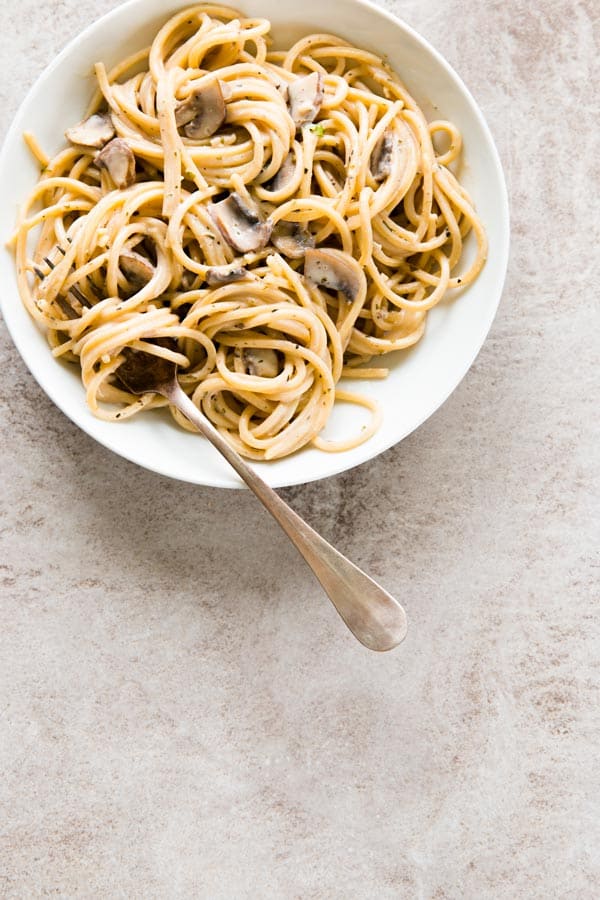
x: 180, y: 719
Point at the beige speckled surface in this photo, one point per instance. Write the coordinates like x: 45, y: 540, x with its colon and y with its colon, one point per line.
x: 200, y: 724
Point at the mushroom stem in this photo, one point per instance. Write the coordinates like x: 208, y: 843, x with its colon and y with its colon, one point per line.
x: 305, y: 96
x: 225, y: 274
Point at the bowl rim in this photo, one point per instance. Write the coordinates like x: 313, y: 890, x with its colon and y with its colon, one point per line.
x: 362, y: 454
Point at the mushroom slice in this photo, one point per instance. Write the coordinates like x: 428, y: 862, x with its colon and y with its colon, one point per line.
x: 381, y: 157
x: 333, y: 269
x: 292, y: 239
x: 136, y: 268
x: 260, y: 361
x: 225, y: 274
x: 203, y: 112
x: 305, y: 97
x: 96, y: 131
x: 285, y: 174
x: 118, y: 159
x: 241, y: 224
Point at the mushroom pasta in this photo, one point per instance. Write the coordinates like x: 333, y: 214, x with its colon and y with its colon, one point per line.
x: 270, y: 221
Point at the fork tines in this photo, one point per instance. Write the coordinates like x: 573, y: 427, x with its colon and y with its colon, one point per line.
x: 79, y: 295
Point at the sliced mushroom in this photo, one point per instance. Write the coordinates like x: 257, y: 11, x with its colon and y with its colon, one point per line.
x: 225, y: 274
x: 203, y: 112
x: 241, y: 224
x: 136, y: 268
x: 335, y: 270
x: 285, y: 174
x: 306, y: 97
x: 381, y: 157
x: 96, y: 131
x: 292, y: 239
x: 260, y: 361
x: 118, y: 159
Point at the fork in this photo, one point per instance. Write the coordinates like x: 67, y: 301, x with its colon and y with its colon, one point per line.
x: 373, y: 616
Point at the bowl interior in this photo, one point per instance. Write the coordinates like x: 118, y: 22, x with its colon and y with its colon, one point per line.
x: 420, y: 379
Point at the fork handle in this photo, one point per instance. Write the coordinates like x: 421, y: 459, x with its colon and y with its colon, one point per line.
x: 374, y: 617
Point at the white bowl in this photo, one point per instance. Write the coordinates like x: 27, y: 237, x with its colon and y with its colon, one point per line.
x: 420, y: 380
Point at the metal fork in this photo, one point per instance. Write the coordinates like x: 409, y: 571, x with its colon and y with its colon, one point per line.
x: 373, y: 616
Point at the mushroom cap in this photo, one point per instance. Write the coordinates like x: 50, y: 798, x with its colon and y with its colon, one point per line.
x: 241, y: 223
x: 136, y: 268
x: 381, y: 157
x: 335, y: 270
x: 203, y: 112
x: 118, y: 159
x: 95, y: 131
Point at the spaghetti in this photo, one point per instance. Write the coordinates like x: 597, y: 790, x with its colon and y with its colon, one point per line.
x: 269, y: 221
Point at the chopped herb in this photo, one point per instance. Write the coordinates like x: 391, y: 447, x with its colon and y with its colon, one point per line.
x: 317, y: 129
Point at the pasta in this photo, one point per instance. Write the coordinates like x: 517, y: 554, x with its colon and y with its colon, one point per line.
x: 270, y: 221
